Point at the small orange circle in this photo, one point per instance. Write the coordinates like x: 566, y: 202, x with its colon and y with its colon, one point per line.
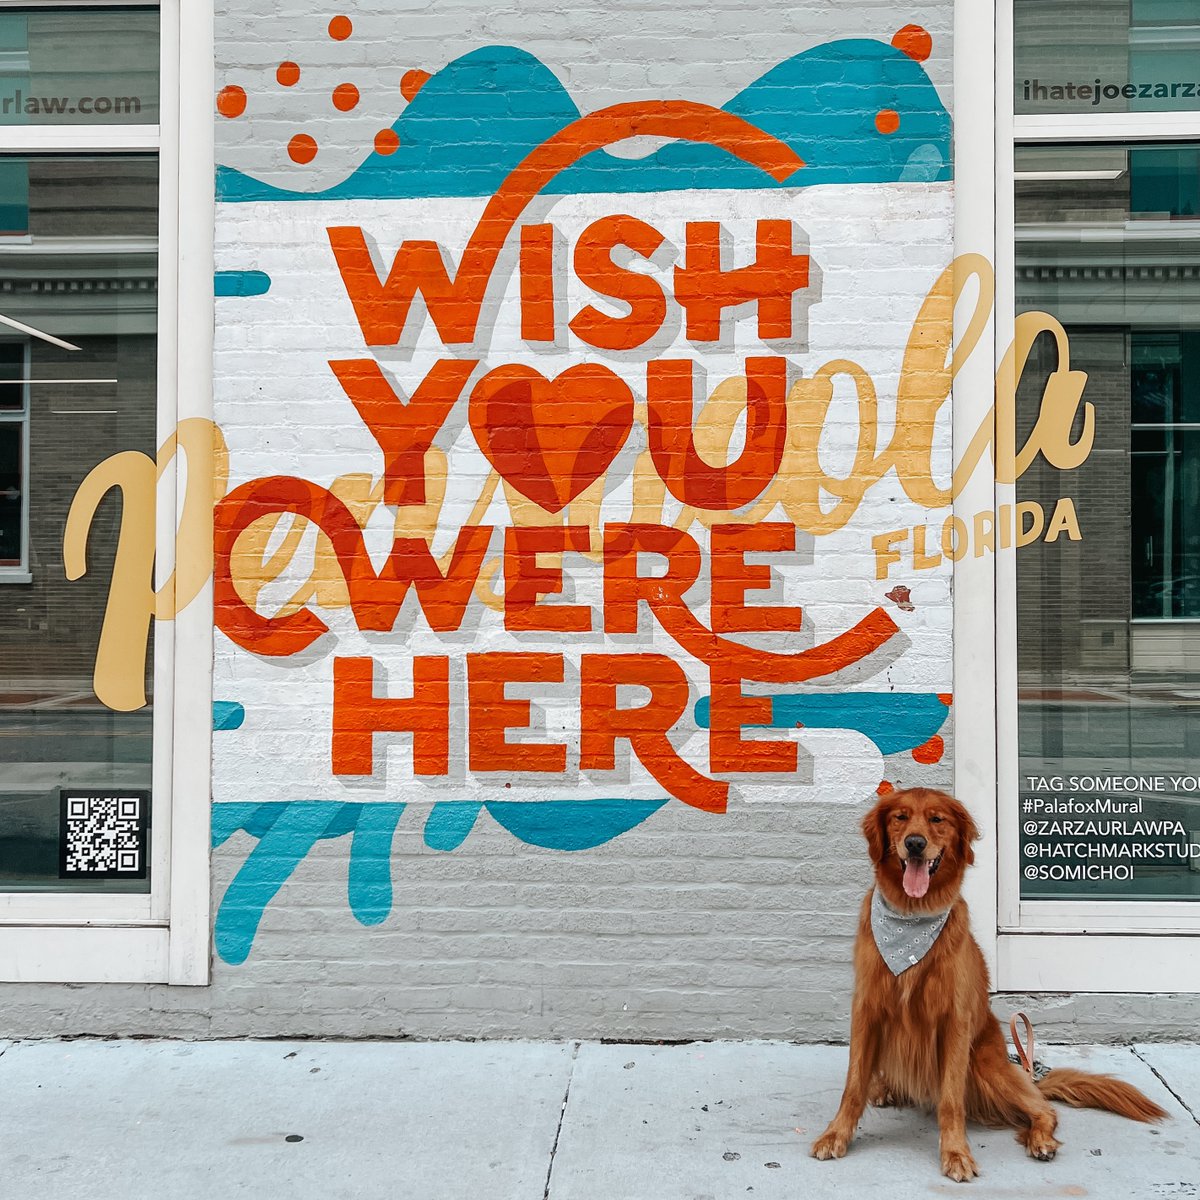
x: 887, y: 120
x: 288, y: 74
x: 302, y: 148
x: 345, y: 97
x: 340, y: 28
x: 387, y: 141
x: 412, y: 82
x: 914, y: 41
x: 231, y: 101
x: 885, y: 788
x: 931, y: 751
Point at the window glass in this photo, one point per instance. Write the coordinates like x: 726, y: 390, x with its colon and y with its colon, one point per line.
x: 1106, y: 56
x: 12, y: 486
x: 84, y: 273
x: 78, y: 66
x: 1108, y: 625
x: 12, y: 370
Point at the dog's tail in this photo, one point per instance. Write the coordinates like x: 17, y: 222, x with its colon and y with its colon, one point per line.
x: 1081, y: 1090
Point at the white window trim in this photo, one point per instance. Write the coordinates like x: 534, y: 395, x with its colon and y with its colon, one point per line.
x: 163, y: 937
x: 975, y: 664
x: 1117, y: 946
x: 1106, y: 127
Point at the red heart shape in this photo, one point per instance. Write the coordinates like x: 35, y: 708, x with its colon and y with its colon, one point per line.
x: 551, y: 438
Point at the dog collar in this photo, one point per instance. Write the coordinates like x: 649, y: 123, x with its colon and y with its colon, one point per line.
x: 903, y: 939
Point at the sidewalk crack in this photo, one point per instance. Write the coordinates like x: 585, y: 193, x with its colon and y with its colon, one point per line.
x: 1159, y: 1076
x: 562, y: 1113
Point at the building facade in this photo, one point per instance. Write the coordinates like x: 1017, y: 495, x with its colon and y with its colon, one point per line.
x: 489, y: 498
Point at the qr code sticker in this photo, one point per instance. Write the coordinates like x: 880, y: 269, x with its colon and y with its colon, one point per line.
x: 104, y: 835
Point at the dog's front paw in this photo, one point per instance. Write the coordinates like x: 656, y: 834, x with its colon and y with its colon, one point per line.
x: 1040, y: 1145
x: 958, y: 1165
x: 831, y: 1144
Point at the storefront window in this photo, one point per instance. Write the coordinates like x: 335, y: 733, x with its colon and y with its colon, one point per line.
x: 1107, y: 56
x: 106, y: 290
x: 63, y: 65
x: 1108, y: 623
x: 78, y: 351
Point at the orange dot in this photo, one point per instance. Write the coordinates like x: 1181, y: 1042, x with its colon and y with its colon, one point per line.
x: 231, y: 101
x: 340, y: 28
x: 302, y: 148
x: 345, y: 97
x: 887, y: 120
x: 412, y: 82
x: 914, y: 41
x: 947, y: 698
x: 288, y: 74
x: 386, y: 142
x: 884, y: 788
x: 931, y: 751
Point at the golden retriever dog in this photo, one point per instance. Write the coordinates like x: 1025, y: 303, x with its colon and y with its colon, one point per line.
x: 921, y: 1031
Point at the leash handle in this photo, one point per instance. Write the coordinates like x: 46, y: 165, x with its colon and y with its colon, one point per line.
x: 1024, y: 1052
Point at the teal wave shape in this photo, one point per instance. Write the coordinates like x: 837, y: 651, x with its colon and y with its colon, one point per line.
x: 894, y: 721
x: 478, y: 117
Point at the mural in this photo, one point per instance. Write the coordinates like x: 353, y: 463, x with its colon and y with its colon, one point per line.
x: 591, y: 465
x: 574, y: 519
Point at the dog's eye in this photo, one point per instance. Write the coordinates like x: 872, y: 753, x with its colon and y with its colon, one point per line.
x: 899, y: 816
x: 935, y: 820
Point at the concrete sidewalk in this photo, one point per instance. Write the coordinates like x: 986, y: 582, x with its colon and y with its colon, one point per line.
x: 129, y: 1120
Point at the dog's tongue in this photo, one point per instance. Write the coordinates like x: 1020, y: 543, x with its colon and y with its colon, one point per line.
x: 916, y: 877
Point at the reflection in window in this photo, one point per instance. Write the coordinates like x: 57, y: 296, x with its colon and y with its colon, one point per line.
x: 1164, y: 182
x: 13, y: 501
x: 79, y: 65
x: 86, y: 273
x: 1107, y: 56
x: 1108, y: 628
x: 1165, y: 474
x: 12, y: 487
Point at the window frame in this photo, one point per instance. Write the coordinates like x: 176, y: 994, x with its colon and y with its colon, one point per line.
x: 1064, y: 945
x: 162, y: 936
x: 977, y: 668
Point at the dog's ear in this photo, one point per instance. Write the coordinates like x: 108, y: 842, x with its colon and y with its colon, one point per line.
x: 874, y: 827
x: 968, y: 832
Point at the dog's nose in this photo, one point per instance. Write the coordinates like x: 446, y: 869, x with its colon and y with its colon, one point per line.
x: 915, y: 844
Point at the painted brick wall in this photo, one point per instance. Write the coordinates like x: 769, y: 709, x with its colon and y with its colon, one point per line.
x: 689, y: 922
x: 388, y: 903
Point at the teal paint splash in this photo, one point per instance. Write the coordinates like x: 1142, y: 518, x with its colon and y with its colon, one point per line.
x: 228, y: 714
x: 369, y: 882
x: 894, y: 721
x: 449, y: 822
x: 241, y: 283
x: 287, y: 830
x: 284, y: 838
x: 478, y: 117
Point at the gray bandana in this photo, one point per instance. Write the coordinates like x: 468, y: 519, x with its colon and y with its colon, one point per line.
x: 903, y: 940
